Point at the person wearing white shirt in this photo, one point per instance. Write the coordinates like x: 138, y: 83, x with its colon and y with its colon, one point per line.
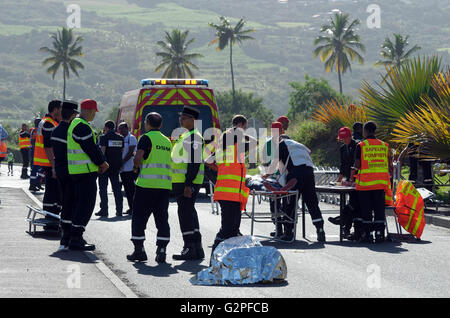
x: 295, y: 159
x: 127, y: 174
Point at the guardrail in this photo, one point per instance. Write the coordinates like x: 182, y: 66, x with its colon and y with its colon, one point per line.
x: 323, y: 176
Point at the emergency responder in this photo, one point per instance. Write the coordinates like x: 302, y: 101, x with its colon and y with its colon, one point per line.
x: 25, y: 145
x: 271, y: 171
x: 351, y: 213
x: 85, y: 161
x: 187, y: 176
x: 295, y: 160
x: 3, y: 148
x: 43, y: 157
x: 153, y: 186
x: 111, y: 144
x: 59, y: 144
x: 230, y: 190
x: 284, y: 122
x: 10, y: 161
x: 127, y: 174
x: 358, y: 131
x: 372, y: 182
x: 36, y: 173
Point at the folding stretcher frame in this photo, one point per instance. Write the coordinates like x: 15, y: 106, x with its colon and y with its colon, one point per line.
x: 268, y: 217
x: 50, y: 220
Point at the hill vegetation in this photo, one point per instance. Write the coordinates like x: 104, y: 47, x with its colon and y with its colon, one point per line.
x: 120, y: 46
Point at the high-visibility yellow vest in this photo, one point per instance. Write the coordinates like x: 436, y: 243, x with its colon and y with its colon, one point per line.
x: 78, y: 161
x: 156, y: 170
x: 24, y: 142
x: 40, y: 156
x: 181, y: 158
x: 374, y: 171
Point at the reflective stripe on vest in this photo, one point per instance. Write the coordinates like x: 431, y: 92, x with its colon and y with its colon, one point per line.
x: 24, y: 142
x: 180, y: 160
x: 409, y: 207
x: 374, y: 171
x: 230, y: 185
x: 78, y: 161
x: 40, y: 156
x: 156, y: 170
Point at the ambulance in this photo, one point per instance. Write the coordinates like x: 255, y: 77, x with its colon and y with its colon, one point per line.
x: 168, y: 97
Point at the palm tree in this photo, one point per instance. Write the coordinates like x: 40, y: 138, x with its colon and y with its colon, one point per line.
x: 395, y: 52
x: 175, y: 59
x: 65, y: 48
x: 340, y: 44
x: 229, y: 35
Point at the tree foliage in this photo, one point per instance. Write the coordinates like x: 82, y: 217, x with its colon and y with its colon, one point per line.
x: 176, y: 61
x: 65, y: 49
x: 246, y: 104
x: 227, y: 34
x: 307, y: 96
x: 340, y: 44
x: 394, y: 52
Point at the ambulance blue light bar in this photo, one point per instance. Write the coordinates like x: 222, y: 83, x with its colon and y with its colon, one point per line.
x: 160, y: 81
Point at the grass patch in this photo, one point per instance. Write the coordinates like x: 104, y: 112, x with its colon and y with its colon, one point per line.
x: 290, y: 25
x: 444, y: 49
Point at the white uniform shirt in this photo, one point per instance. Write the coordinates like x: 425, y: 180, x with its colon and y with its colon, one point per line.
x: 129, y: 140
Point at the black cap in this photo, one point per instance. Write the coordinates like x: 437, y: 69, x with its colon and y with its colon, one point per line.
x: 68, y: 104
x: 190, y: 111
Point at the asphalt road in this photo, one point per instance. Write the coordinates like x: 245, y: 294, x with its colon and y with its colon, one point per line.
x: 333, y: 269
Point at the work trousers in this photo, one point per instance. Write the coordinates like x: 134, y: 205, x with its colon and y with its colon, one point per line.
x: 148, y: 201
x: 306, y: 187
x: 187, y: 215
x: 128, y: 182
x: 36, y: 174
x: 25, y: 157
x: 11, y: 167
x: 230, y: 221
x: 372, y: 201
x: 52, y: 197
x: 352, y: 213
x: 113, y: 176
x: 68, y: 204
x: 85, y: 195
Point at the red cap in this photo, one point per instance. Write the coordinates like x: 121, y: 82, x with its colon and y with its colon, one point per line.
x: 89, y: 104
x: 277, y: 125
x: 344, y: 132
x: 283, y: 119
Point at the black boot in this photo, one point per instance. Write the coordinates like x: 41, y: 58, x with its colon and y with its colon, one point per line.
x: 188, y: 253
x: 199, y: 250
x: 379, y: 237
x: 160, y: 255
x: 366, y: 237
x: 278, y: 231
x: 77, y: 243
x: 321, y: 235
x: 138, y: 255
x: 336, y: 220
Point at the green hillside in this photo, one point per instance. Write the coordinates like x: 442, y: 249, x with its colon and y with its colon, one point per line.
x: 120, y: 47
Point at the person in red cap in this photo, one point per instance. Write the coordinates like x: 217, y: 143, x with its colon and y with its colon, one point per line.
x: 351, y: 213
x: 85, y: 162
x: 284, y: 122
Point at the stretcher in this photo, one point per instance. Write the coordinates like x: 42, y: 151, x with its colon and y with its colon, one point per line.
x: 49, y: 220
x: 278, y: 216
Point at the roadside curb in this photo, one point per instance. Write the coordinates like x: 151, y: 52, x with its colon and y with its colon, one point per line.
x: 108, y: 273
